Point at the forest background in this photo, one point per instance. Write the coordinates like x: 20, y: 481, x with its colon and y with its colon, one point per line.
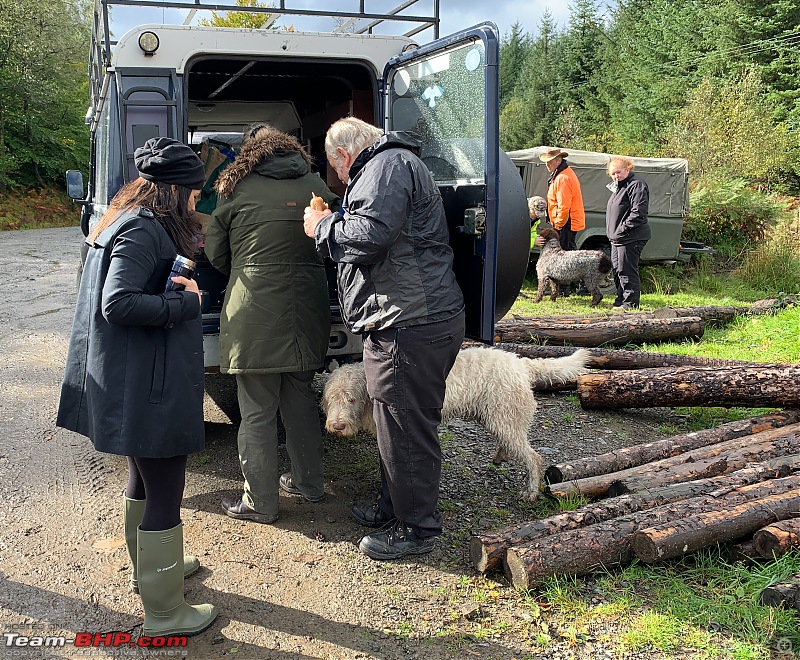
x: 713, y: 81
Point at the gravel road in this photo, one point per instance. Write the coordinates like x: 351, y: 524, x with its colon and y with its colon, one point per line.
x: 296, y: 589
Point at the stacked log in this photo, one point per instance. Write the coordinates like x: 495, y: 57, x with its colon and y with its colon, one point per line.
x: 488, y: 550
x: 581, y: 551
x: 783, y: 594
x: 778, y: 539
x: 616, y: 358
x: 627, y: 457
x: 625, y: 329
x: 720, y: 458
x: 737, y: 483
x: 709, y: 315
x: 764, y: 386
x: 676, y: 537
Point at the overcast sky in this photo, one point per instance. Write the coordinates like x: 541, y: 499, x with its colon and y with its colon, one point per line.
x: 455, y: 14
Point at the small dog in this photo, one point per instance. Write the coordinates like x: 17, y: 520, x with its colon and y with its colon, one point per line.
x: 486, y: 385
x: 557, y: 266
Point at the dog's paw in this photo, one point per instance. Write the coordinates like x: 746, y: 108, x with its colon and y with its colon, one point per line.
x: 530, y: 496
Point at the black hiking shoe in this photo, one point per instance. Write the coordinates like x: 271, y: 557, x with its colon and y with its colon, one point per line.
x: 396, y: 542
x: 370, y: 515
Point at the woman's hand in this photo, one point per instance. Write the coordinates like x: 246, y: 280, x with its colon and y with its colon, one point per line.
x: 189, y: 285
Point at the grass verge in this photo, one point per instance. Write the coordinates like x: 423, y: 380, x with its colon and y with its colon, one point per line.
x: 37, y: 209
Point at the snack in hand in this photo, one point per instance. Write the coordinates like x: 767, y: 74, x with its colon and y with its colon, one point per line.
x: 317, y: 203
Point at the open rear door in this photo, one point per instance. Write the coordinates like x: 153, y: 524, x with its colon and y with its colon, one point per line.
x: 447, y: 92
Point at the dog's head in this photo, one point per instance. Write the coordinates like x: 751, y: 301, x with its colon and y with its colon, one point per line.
x: 549, y: 234
x: 345, y: 402
x: 537, y: 207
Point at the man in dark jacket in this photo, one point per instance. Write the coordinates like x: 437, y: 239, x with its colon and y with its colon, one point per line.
x: 397, y: 288
x: 275, y: 321
x: 627, y: 229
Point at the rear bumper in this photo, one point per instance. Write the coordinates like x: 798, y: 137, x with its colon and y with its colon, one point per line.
x: 688, y: 249
x: 342, y: 346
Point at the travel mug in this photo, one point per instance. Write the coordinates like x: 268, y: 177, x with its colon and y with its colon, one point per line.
x: 181, y: 266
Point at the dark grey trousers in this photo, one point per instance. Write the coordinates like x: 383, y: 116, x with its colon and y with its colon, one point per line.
x: 625, y: 262
x: 406, y: 369
x: 260, y: 397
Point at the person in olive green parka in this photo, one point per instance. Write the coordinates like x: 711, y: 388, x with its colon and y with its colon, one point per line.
x: 275, y: 321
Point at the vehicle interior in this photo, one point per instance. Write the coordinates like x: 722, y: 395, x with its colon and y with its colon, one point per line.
x: 302, y: 98
x: 440, y: 98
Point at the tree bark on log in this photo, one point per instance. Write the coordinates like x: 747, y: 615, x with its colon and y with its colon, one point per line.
x: 628, y: 457
x: 580, y: 551
x: 732, y: 458
x: 778, y: 539
x: 627, y: 330
x: 783, y: 594
x: 711, y: 315
x: 678, y: 537
x: 488, y: 550
x: 617, y: 358
x: 599, y: 485
x: 763, y: 386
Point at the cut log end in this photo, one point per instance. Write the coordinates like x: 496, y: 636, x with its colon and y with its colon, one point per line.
x: 478, y: 554
x: 776, y: 540
x: 515, y: 569
x: 644, y: 547
x: 553, y: 475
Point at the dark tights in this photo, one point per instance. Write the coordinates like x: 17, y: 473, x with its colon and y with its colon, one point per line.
x: 160, y: 482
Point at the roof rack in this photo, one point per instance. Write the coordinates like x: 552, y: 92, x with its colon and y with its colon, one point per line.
x: 100, y: 55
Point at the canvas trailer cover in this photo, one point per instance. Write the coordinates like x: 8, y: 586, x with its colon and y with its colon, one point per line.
x: 667, y: 179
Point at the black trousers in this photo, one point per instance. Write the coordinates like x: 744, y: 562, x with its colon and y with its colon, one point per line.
x: 406, y: 369
x: 566, y: 237
x: 625, y: 262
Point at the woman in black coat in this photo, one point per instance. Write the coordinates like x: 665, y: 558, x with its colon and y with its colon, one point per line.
x: 134, y: 377
x: 627, y: 229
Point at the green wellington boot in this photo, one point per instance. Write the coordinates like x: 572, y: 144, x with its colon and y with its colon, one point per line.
x: 132, y: 514
x: 161, y: 586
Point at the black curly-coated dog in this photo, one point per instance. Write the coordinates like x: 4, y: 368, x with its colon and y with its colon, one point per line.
x: 557, y: 266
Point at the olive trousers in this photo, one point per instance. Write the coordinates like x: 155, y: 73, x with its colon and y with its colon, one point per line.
x: 261, y: 396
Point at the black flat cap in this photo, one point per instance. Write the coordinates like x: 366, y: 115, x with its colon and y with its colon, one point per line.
x: 169, y: 161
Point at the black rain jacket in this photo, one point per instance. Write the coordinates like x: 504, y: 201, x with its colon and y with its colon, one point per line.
x: 391, y: 241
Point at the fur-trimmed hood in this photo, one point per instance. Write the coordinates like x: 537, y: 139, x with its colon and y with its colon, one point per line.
x: 269, y: 153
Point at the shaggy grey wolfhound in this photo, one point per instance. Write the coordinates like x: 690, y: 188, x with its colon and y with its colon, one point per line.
x: 486, y: 385
x: 557, y: 266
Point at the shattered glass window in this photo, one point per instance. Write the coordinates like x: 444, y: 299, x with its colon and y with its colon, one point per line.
x: 442, y: 100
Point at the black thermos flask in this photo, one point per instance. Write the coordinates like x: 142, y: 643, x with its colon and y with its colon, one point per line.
x: 181, y: 266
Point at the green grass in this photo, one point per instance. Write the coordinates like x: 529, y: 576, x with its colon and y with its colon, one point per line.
x: 700, y: 604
